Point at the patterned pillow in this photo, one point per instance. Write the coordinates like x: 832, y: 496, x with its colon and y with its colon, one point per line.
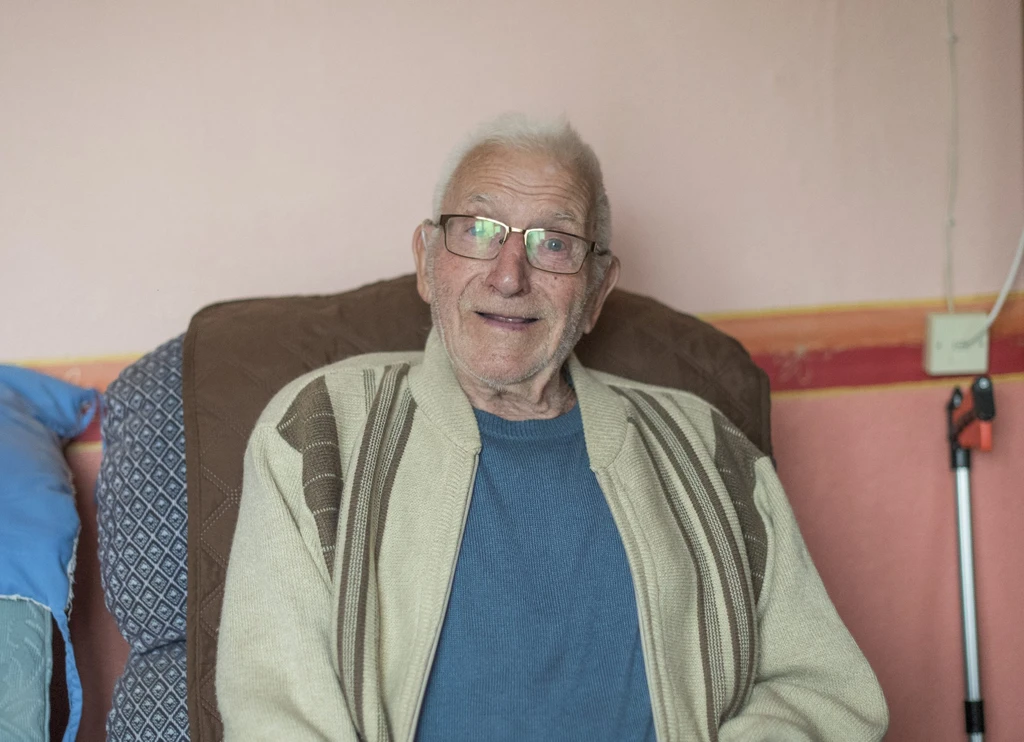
x: 39, y: 529
x: 149, y: 698
x: 26, y: 670
x: 141, y: 501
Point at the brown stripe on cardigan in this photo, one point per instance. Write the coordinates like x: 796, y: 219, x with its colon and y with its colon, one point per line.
x: 667, y: 464
x: 703, y: 576
x: 732, y: 567
x: 398, y: 436
x: 735, y: 458
x: 679, y: 456
x: 369, y: 387
x: 403, y: 417
x: 383, y: 473
x: 309, y: 426
x: 382, y: 445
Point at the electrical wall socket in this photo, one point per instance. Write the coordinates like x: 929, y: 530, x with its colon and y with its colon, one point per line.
x: 945, y: 351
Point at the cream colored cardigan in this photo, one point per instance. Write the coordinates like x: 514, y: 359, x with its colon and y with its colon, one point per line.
x: 358, y: 479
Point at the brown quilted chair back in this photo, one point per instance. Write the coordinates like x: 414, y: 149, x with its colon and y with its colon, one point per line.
x: 237, y: 355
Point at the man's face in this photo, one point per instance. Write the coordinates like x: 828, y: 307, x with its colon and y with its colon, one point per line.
x: 503, y: 321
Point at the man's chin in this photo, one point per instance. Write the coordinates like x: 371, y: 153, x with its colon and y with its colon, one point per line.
x: 498, y: 375
x: 497, y: 365
x: 500, y: 378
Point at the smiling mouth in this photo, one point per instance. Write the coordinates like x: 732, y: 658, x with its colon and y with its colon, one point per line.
x: 508, y: 320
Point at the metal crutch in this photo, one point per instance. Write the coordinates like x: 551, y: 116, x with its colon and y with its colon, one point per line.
x: 969, y: 419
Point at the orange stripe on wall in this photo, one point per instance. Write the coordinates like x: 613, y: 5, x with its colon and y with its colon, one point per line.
x: 862, y: 326
x: 863, y: 346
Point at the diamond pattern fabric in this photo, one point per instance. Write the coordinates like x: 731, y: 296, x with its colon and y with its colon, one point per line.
x: 149, y: 698
x: 141, y: 501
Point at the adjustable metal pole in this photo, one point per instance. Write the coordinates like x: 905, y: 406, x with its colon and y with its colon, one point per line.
x: 973, y: 707
x: 969, y: 425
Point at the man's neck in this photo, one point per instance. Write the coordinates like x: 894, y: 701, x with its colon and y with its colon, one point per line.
x: 534, y: 399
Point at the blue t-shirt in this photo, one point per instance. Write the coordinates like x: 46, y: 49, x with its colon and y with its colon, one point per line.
x: 541, y: 640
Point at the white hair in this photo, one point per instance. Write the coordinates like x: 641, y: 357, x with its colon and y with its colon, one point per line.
x: 557, y: 139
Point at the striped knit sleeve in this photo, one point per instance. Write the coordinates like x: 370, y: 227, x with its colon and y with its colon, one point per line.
x: 275, y: 675
x: 812, y: 684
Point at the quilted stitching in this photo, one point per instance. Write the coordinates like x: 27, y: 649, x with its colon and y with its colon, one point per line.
x: 141, y: 501
x: 149, y: 698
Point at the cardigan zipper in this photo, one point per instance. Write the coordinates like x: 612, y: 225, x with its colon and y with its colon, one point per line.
x: 447, y: 597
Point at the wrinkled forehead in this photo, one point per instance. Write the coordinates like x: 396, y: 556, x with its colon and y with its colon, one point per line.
x: 516, y: 185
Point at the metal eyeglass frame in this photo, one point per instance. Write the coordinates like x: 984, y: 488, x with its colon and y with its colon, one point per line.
x: 444, y: 219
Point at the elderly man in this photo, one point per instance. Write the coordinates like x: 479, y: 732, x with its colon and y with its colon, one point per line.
x: 488, y: 541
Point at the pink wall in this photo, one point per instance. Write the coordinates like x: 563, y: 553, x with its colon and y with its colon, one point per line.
x: 868, y: 475
x: 155, y: 157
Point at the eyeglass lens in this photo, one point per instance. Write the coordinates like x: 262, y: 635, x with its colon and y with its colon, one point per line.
x: 481, y: 239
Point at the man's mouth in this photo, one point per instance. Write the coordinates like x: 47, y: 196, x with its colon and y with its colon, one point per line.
x: 507, y: 319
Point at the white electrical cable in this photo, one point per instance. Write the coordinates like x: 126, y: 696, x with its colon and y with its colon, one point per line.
x: 998, y: 306
x: 953, y: 157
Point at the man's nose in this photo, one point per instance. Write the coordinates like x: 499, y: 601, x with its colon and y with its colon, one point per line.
x: 510, y: 270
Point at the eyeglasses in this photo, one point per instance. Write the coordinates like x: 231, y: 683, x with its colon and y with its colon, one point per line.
x: 480, y: 238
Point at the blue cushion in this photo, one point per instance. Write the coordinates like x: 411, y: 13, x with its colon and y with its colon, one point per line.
x: 141, y: 501
x: 149, y: 698
x: 38, y: 518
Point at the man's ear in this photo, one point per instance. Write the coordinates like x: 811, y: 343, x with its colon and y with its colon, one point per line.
x: 611, y: 277
x: 419, y: 254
